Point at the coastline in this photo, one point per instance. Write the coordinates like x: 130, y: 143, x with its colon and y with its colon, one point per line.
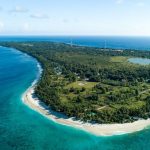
x: 33, y: 102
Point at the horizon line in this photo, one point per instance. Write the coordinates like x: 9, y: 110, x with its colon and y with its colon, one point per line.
x: 25, y: 35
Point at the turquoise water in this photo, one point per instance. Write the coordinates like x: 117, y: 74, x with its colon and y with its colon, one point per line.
x: 24, y: 129
x: 140, y: 61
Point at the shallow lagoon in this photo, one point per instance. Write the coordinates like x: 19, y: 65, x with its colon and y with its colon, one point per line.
x: 140, y: 61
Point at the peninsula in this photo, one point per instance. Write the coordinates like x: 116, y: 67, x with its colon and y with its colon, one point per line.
x: 100, y: 88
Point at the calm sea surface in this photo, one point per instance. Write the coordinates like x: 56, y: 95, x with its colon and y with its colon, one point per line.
x: 24, y: 129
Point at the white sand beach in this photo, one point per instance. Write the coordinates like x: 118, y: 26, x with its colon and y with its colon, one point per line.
x: 96, y: 129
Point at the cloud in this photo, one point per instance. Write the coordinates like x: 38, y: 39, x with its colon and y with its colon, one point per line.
x: 65, y: 21
x: 119, y: 1
x: 39, y: 16
x: 72, y: 20
x: 19, y: 9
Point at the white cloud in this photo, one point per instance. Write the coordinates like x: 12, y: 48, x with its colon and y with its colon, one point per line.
x: 72, y: 20
x: 19, y: 9
x: 39, y: 16
x: 65, y: 20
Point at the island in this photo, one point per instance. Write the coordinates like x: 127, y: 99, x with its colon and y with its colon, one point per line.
x: 94, y: 86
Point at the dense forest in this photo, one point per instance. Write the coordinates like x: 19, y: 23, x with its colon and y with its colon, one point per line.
x: 91, y: 84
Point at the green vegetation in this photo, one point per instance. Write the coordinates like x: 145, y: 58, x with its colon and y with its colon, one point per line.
x: 91, y: 84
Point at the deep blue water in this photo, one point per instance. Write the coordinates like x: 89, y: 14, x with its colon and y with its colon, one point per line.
x: 118, y: 42
x: 24, y: 129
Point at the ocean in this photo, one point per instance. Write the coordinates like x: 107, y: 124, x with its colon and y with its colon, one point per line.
x: 24, y: 129
x: 117, y: 42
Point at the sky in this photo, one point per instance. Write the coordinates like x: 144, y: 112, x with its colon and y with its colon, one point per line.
x: 75, y: 17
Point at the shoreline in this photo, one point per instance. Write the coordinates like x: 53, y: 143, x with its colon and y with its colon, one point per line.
x: 34, y: 103
x: 96, y: 129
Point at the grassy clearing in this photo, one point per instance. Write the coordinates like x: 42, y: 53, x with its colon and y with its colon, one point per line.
x: 119, y: 59
x: 80, y: 84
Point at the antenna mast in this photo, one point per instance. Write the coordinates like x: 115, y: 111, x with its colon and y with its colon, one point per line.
x: 71, y: 43
x: 105, y: 44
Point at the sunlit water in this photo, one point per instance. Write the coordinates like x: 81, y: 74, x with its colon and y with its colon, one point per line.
x: 24, y: 129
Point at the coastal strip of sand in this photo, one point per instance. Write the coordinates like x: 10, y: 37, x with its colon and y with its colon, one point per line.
x: 32, y: 101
